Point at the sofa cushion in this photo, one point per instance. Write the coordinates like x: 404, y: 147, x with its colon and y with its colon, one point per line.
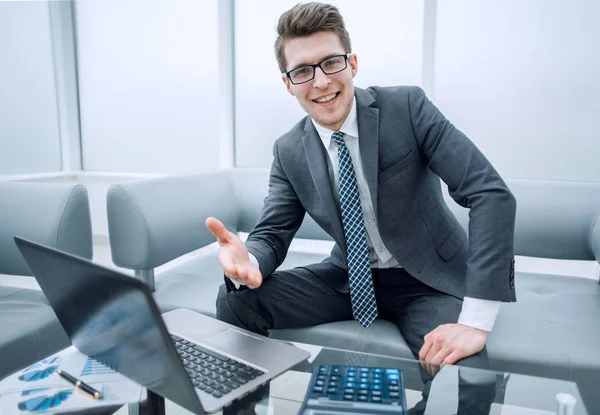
x: 29, y: 330
x: 382, y: 337
x: 552, y: 330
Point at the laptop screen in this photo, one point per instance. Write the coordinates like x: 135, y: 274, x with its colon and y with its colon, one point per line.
x: 113, y: 318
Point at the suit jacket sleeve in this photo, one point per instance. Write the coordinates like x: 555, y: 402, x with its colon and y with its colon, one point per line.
x: 281, y: 216
x: 475, y: 184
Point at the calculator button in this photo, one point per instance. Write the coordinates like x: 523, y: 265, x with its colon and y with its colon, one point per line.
x: 376, y: 393
x: 394, y: 394
x: 363, y: 386
x: 393, y: 388
x: 363, y: 398
x: 376, y: 399
x: 376, y: 381
x: 331, y: 391
x: 349, y: 397
x: 376, y: 387
x: 363, y: 392
x: 349, y: 385
x: 319, y: 383
x: 349, y: 391
x: 318, y: 389
x: 393, y: 382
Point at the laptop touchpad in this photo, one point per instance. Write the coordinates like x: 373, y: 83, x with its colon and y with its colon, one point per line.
x: 234, y: 341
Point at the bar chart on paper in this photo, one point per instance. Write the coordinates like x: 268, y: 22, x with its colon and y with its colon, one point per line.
x: 93, y: 367
x: 38, y: 389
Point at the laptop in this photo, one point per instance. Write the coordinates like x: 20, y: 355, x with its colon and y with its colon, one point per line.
x: 196, y: 361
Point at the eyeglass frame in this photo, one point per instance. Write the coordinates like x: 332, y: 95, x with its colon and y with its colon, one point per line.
x: 315, y: 66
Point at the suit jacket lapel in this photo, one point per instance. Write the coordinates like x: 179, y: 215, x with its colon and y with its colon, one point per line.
x: 317, y: 164
x: 368, y: 140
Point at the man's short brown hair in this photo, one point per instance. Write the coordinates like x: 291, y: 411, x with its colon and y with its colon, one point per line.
x: 306, y: 19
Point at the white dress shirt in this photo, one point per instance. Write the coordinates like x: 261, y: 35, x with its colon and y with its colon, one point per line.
x: 475, y: 312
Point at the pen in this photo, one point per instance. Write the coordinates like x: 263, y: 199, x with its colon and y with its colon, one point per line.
x: 79, y: 384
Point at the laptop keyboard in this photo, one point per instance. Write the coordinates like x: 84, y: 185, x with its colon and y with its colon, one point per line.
x: 210, y: 371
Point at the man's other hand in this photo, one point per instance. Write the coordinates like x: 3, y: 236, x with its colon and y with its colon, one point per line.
x: 449, y: 343
x: 233, y: 256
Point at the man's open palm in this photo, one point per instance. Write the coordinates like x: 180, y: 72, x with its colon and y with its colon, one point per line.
x: 233, y: 256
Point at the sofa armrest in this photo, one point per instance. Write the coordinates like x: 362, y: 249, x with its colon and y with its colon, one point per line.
x: 53, y: 214
x: 154, y: 221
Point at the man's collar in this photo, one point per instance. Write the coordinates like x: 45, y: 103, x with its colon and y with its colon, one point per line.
x: 349, y: 127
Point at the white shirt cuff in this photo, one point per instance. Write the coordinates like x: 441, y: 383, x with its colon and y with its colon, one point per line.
x: 480, y: 314
x: 254, y: 261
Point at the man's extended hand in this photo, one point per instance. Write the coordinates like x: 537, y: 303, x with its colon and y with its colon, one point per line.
x: 450, y: 343
x: 233, y: 256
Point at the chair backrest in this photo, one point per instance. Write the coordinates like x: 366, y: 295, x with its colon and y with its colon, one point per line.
x: 251, y: 187
x: 153, y: 221
x: 53, y: 214
x: 554, y: 219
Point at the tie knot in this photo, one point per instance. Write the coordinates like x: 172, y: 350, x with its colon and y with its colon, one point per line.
x: 338, y: 137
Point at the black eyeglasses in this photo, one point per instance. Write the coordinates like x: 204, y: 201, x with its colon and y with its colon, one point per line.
x: 329, y: 66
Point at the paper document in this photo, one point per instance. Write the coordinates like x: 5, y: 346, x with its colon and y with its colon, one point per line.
x: 314, y: 350
x: 39, y: 389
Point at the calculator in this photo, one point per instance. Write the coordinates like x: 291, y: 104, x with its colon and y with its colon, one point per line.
x: 354, y: 390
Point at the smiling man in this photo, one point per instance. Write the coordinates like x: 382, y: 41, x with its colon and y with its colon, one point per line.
x: 366, y: 165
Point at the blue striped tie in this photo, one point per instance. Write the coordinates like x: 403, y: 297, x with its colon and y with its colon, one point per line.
x: 364, y: 306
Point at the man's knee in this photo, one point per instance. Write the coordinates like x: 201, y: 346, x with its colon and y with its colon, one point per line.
x: 223, y: 308
x: 478, y: 360
x: 242, y: 312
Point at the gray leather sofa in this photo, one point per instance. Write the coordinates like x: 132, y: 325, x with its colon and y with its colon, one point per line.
x: 552, y: 331
x: 57, y: 215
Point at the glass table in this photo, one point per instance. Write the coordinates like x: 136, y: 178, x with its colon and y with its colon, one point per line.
x: 453, y: 390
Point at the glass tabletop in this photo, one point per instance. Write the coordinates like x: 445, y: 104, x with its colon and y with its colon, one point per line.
x: 453, y: 389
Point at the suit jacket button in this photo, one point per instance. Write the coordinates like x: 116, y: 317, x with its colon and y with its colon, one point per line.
x: 511, y: 280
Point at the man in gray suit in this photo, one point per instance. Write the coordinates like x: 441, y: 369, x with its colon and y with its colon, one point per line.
x: 365, y: 164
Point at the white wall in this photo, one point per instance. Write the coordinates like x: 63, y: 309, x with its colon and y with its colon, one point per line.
x: 29, y: 134
x: 148, y: 79
x: 519, y: 78
x: 522, y: 80
x: 388, y: 46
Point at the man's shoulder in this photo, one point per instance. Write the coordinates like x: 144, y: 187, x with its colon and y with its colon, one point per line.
x: 399, y: 93
x: 292, y: 135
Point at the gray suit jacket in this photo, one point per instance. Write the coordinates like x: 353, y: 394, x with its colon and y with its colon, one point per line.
x: 405, y: 144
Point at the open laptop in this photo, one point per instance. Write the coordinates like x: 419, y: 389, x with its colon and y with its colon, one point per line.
x: 200, y: 363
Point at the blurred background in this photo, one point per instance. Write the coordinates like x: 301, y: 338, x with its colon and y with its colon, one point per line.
x: 102, y: 91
